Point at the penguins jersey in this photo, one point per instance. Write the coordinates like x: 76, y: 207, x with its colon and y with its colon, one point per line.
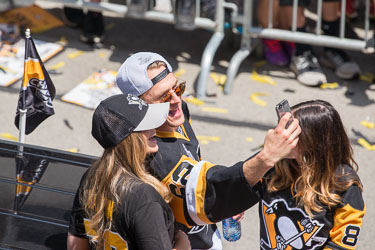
x: 203, y: 193
x: 283, y: 225
x: 142, y: 220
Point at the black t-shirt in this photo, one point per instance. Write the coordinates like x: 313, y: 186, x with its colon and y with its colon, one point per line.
x: 143, y: 220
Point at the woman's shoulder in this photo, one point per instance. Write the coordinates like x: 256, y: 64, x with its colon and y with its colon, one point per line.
x: 142, y: 192
x: 347, y: 172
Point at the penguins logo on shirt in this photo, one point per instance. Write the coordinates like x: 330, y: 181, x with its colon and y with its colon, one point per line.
x: 289, y: 228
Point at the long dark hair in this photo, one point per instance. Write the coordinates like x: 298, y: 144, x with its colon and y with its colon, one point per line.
x: 324, y: 148
x: 115, y: 172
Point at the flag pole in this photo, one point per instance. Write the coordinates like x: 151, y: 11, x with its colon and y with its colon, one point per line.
x: 22, y: 128
x: 23, y: 110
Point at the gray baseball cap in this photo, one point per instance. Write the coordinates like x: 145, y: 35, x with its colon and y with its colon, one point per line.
x: 132, y: 76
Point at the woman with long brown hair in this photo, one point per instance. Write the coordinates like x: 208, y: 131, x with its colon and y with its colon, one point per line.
x: 119, y: 203
x: 313, y: 199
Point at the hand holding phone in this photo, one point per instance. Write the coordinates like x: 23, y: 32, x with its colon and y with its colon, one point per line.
x: 282, y: 108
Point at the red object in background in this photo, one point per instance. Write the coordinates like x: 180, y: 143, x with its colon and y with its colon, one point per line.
x: 351, y: 8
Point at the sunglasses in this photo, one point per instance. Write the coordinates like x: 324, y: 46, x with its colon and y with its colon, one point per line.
x: 179, y: 90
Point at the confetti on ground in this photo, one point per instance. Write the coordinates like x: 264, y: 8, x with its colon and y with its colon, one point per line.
x: 179, y: 73
x: 256, y: 100
x: 260, y: 63
x: 75, y: 54
x: 367, y: 124
x: 72, y: 150
x: 365, y: 144
x: 67, y: 123
x: 8, y: 136
x: 194, y: 100
x: 208, y: 138
x: 102, y: 55
x: 262, y: 78
x: 215, y: 110
x: 57, y: 66
x: 219, y: 79
x: 5, y: 69
x: 249, y: 139
x: 63, y: 40
x: 289, y: 90
x: 368, y: 77
x: 333, y: 85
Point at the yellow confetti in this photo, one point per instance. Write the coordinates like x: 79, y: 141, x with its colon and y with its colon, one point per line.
x: 256, y: 100
x: 101, y: 85
x: 208, y: 138
x: 92, y: 80
x: 179, y: 73
x: 333, y: 85
x: 8, y: 136
x: 260, y: 63
x: 63, y: 40
x: 215, y: 110
x: 194, y: 100
x: 367, y: 124
x: 57, y: 65
x: 204, y: 142
x: 262, y: 78
x: 8, y: 69
x: 72, y: 150
x: 249, y: 139
x: 219, y: 79
x: 365, y: 144
x: 368, y: 77
x: 75, y: 54
x: 102, y: 55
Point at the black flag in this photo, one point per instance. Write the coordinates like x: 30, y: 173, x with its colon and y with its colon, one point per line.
x: 30, y: 170
x: 37, y: 90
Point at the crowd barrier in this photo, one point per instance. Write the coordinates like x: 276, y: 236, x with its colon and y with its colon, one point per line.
x: 251, y: 33
x: 215, y: 25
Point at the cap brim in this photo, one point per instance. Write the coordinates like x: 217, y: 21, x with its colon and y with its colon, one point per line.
x: 155, y: 116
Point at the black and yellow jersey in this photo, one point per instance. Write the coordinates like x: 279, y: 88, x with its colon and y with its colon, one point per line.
x: 141, y: 220
x: 284, y: 225
x: 203, y: 193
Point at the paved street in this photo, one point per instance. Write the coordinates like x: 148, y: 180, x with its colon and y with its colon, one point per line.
x: 230, y: 127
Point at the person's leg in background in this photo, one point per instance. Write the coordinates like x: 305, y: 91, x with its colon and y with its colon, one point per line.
x: 303, y: 62
x: 93, y: 27
x: 334, y: 58
x: 273, y: 50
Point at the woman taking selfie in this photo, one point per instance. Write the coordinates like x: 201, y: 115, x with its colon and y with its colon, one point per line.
x: 313, y: 199
x: 118, y: 203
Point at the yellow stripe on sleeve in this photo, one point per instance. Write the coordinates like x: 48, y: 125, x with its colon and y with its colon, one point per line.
x: 346, y: 226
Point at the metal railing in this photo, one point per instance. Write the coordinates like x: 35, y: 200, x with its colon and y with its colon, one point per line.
x: 216, y: 26
x: 250, y: 33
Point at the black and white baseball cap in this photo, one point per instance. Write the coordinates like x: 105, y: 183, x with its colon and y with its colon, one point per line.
x: 132, y: 76
x: 118, y: 116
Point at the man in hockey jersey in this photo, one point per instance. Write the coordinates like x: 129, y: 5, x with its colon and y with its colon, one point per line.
x: 201, y: 196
